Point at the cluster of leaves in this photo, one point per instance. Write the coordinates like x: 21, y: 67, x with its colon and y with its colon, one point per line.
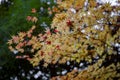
x: 83, y: 30
x: 12, y: 21
x: 93, y: 72
x: 12, y: 15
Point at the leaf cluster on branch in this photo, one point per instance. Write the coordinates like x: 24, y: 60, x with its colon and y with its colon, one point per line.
x: 81, y: 30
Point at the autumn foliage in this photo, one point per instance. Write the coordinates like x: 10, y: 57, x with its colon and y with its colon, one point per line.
x: 81, y: 31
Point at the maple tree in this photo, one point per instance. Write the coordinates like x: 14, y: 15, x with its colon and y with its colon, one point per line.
x: 81, y: 31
